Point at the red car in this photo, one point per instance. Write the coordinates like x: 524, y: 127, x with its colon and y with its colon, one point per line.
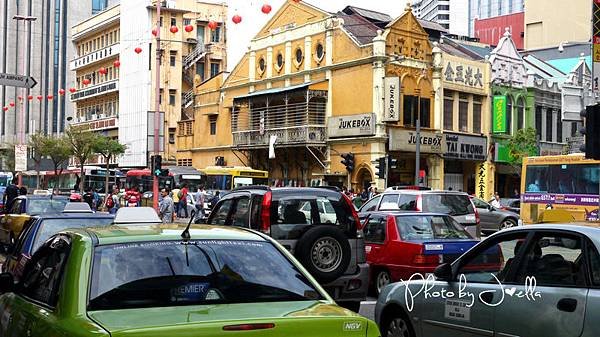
x: 399, y: 245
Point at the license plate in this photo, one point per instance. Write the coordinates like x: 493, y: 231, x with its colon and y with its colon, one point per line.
x: 470, y: 217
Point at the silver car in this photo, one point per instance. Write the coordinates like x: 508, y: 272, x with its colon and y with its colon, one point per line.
x: 541, y: 280
x: 493, y: 219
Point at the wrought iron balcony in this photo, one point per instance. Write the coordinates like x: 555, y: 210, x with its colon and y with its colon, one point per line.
x: 292, y: 123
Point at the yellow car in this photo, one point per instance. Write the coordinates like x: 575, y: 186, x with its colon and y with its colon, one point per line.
x: 21, y: 210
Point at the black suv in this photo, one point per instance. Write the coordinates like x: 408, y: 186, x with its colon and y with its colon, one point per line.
x: 318, y: 225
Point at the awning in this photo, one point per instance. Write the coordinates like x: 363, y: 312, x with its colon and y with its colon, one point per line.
x: 310, y: 85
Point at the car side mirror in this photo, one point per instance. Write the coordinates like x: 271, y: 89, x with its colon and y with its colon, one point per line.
x: 443, y: 272
x: 7, y: 283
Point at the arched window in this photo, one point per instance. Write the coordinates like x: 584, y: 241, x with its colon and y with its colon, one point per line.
x: 520, y: 114
x: 509, y: 112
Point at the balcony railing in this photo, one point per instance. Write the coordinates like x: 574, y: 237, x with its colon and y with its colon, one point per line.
x: 294, y: 123
x: 94, y: 57
x: 194, y: 56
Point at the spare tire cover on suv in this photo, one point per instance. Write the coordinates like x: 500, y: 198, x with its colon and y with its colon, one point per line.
x: 325, y: 252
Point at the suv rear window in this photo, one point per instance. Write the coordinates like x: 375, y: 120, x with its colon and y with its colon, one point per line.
x: 452, y: 204
x: 293, y: 214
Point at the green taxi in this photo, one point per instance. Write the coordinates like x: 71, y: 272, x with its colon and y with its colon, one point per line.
x: 154, y: 281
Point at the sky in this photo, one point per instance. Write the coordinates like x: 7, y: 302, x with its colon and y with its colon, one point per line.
x: 239, y: 35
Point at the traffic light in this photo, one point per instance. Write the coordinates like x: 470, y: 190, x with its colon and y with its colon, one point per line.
x: 220, y: 161
x: 156, y: 166
x: 348, y: 161
x: 380, y: 167
x: 393, y: 163
x: 591, y: 131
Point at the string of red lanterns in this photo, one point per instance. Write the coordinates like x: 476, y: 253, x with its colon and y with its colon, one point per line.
x: 266, y: 8
x: 236, y: 19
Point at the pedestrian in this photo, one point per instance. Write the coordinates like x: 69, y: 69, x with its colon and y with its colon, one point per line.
x: 496, y: 201
x: 112, y: 201
x: 97, y: 200
x: 364, y: 196
x: 11, y: 192
x: 200, y: 199
x: 165, y: 208
x: 516, y: 194
x: 215, y: 199
x: 88, y: 197
x: 175, y: 195
x: 183, y: 200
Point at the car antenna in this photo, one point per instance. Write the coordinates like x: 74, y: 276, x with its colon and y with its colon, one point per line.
x: 185, y: 235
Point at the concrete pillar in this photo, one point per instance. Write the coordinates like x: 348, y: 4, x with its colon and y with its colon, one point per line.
x: 378, y: 84
x: 438, y: 101
x: 252, y: 66
x: 435, y: 178
x: 269, y: 65
x: 307, y: 57
x: 287, y: 63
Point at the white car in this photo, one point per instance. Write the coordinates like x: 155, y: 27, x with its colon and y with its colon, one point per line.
x: 326, y: 211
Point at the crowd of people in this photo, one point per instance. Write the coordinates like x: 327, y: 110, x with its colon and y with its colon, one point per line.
x: 360, y: 198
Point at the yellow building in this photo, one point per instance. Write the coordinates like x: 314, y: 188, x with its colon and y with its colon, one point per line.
x: 117, y: 57
x: 311, y: 87
x: 564, y: 21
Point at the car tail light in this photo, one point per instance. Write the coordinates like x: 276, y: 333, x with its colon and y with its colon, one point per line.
x: 265, y: 213
x: 477, y: 218
x: 245, y: 327
x: 427, y: 259
x: 391, y: 221
x: 419, y: 203
x: 353, y: 210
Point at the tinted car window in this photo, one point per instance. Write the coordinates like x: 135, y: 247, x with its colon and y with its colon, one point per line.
x: 374, y: 230
x: 221, y: 212
x: 371, y: 205
x: 479, y: 203
x: 49, y: 227
x: 420, y: 227
x: 39, y: 206
x: 293, y: 214
x: 240, y: 215
x: 389, y: 202
x: 42, y: 277
x: 168, y: 273
x: 407, y: 202
x: 452, y: 204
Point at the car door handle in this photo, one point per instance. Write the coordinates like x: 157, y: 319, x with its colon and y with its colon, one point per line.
x: 486, y: 297
x: 567, y: 304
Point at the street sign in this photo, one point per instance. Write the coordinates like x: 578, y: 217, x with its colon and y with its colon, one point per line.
x: 21, y: 81
x: 20, y: 158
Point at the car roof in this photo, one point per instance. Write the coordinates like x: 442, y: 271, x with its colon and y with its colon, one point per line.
x: 36, y: 197
x: 417, y: 192
x: 74, y: 216
x: 165, y: 232
x: 290, y: 190
x: 406, y: 213
x: 593, y: 233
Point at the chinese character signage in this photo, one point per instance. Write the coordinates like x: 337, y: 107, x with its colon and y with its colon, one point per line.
x: 465, y: 147
x: 461, y: 74
x: 391, y: 112
x: 482, y: 181
x: 499, y: 114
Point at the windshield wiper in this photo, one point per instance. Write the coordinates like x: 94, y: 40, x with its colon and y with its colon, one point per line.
x: 210, y: 263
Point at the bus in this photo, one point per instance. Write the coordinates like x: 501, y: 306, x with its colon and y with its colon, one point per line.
x: 95, y: 178
x: 5, y: 179
x: 143, y: 179
x: 187, y: 175
x: 228, y: 178
x: 569, y: 182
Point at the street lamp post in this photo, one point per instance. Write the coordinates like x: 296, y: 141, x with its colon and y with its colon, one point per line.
x: 21, y: 135
x: 156, y: 107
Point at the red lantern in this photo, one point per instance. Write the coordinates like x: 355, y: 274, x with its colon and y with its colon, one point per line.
x: 30, y: 97
x: 154, y: 31
x: 174, y: 29
x: 212, y: 25
x: 40, y: 97
x: 137, y: 50
x: 189, y: 28
x: 5, y: 108
x: 102, y: 70
x: 50, y: 97
x: 86, y: 81
x: 117, y: 63
x: 236, y: 19
x: 12, y: 104
x: 266, y: 8
x: 72, y: 90
x: 61, y: 91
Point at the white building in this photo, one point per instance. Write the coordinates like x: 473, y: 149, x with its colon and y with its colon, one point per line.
x: 452, y: 15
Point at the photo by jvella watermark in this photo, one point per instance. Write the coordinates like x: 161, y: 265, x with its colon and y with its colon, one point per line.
x: 430, y: 288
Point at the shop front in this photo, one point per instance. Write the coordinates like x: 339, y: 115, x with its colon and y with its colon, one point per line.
x: 403, y: 148
x: 462, y: 157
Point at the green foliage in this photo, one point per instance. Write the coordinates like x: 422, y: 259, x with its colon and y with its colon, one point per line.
x: 83, y: 146
x: 108, y: 148
x: 522, y: 144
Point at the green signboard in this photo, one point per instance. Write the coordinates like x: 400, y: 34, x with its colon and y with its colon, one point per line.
x: 499, y: 114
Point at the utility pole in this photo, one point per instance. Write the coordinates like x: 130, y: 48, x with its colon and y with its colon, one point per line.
x: 21, y: 134
x: 156, y: 106
x: 418, y: 153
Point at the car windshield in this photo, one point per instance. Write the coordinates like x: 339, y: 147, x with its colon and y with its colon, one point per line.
x: 49, y: 227
x: 172, y: 273
x: 419, y: 227
x: 40, y: 206
x: 452, y: 204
